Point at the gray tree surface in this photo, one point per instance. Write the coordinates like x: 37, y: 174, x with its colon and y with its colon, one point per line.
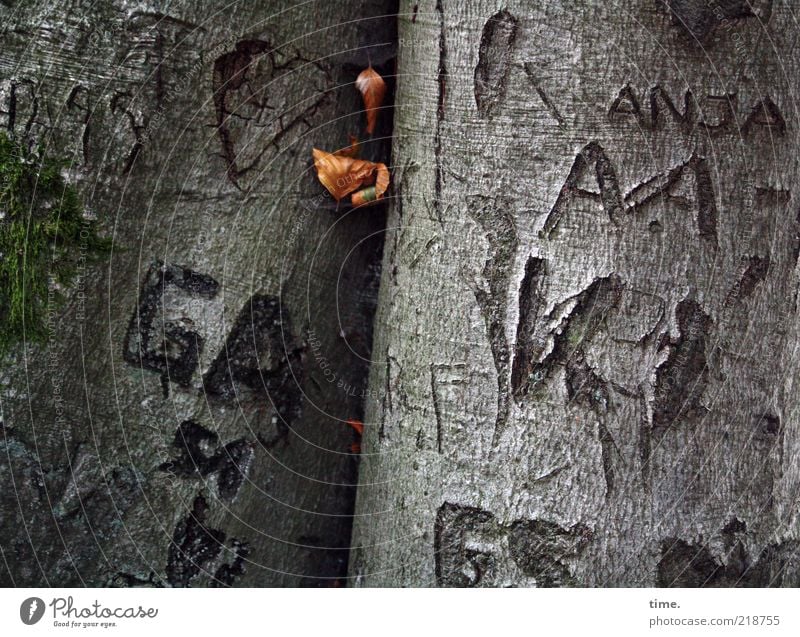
x: 583, y: 366
x: 184, y: 422
x: 586, y: 350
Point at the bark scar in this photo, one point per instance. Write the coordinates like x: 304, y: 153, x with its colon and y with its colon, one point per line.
x: 494, y: 62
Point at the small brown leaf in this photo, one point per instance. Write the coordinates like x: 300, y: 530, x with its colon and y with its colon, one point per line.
x: 373, y: 90
x: 373, y: 193
x: 342, y: 175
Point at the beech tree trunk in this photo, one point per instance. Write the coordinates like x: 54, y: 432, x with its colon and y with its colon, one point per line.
x: 586, y: 348
x: 184, y: 424
x: 585, y: 363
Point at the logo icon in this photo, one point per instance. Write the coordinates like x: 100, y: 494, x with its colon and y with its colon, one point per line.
x: 31, y: 610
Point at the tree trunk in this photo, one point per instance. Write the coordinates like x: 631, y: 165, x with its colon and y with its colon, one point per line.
x: 587, y: 333
x: 184, y: 423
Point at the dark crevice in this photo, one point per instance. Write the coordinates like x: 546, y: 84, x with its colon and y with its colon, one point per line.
x: 530, y: 70
x: 706, y: 200
x: 497, y: 222
x: 199, y: 455
x: 261, y: 356
x: 682, y: 378
x: 387, y: 406
x: 74, y: 102
x: 196, y: 551
x: 437, y: 412
x: 165, y: 346
x: 645, y: 440
x: 765, y: 114
x: 584, y: 387
x: 230, y: 73
x: 193, y: 546
x: 440, y: 111
x: 364, y: 272
x: 531, y: 305
x: 472, y: 548
x: 754, y: 273
x: 494, y: 62
x: 688, y: 185
x: 698, y: 18
x: 227, y: 574
x: 575, y: 331
x: 12, y: 107
x: 690, y: 565
x: 120, y: 103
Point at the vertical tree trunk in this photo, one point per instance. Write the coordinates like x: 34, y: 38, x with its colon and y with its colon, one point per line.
x: 588, y: 314
x: 184, y: 425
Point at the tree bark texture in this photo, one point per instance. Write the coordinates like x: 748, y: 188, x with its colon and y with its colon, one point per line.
x: 184, y: 425
x: 586, y: 351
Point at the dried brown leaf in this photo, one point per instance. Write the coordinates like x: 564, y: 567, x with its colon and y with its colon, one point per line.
x: 373, y: 90
x: 342, y: 175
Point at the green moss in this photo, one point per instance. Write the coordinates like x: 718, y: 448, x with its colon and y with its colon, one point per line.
x: 43, y: 236
x: 575, y: 336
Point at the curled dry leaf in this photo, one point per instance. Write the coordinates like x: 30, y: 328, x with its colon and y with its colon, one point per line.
x: 372, y: 193
x: 342, y: 175
x: 373, y: 90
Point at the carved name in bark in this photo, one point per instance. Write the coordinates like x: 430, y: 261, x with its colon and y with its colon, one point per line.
x: 474, y: 549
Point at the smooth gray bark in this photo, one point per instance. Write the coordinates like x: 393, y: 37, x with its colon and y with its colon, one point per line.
x: 586, y: 351
x: 190, y: 127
